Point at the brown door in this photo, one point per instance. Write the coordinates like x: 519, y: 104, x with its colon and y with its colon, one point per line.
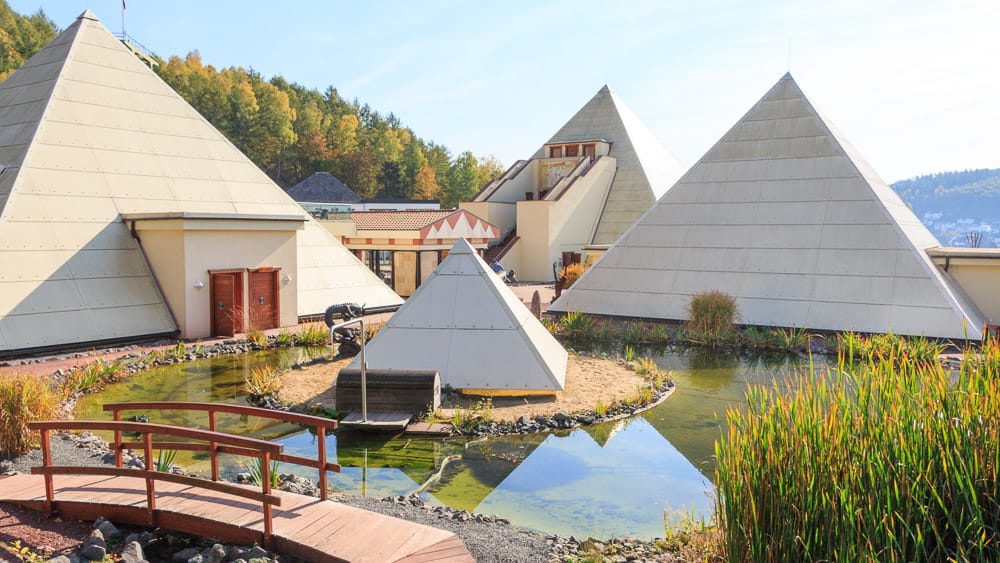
x: 263, y: 299
x: 227, y: 303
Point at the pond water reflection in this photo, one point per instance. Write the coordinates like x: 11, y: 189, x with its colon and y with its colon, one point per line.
x: 610, y: 479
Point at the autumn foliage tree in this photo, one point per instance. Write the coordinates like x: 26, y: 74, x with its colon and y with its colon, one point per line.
x: 291, y: 131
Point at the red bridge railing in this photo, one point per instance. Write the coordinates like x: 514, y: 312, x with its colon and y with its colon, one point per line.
x: 214, y: 447
x: 261, y: 449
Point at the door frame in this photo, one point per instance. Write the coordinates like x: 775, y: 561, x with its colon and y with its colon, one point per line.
x: 275, y: 291
x: 239, y: 324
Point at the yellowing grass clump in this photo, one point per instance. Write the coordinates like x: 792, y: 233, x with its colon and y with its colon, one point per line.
x: 711, y: 318
x: 877, y: 461
x: 23, y: 399
x: 262, y: 380
x: 573, y: 272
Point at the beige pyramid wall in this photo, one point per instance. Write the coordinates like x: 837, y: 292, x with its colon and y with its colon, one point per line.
x: 89, y: 133
x: 470, y: 327
x: 784, y: 215
x: 645, y: 168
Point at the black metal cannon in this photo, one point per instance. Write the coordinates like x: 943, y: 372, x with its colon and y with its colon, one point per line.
x: 346, y: 337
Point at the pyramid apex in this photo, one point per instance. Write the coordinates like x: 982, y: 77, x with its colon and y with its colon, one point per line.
x: 462, y: 246
x: 788, y: 76
x: 87, y: 15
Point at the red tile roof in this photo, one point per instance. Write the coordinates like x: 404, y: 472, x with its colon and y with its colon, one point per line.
x: 411, y: 220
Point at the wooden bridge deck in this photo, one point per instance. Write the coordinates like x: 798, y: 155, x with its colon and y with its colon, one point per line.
x: 304, y: 527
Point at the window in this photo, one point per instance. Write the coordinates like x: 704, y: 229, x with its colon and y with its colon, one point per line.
x: 572, y: 150
x: 555, y: 152
x: 590, y: 150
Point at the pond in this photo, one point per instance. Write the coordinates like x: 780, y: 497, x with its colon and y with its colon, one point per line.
x: 615, y: 479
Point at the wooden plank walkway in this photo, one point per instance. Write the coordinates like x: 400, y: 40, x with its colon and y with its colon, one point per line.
x: 304, y: 527
x: 384, y: 421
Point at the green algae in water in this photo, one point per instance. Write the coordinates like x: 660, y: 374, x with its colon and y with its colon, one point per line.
x: 217, y: 380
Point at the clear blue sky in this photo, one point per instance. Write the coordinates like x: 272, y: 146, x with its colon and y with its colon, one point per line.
x: 914, y: 85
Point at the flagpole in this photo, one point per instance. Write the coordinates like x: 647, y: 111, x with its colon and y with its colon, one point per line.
x: 123, y: 20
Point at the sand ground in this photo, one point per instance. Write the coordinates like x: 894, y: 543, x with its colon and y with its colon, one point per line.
x: 588, y: 381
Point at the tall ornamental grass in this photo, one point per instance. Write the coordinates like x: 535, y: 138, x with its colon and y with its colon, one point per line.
x: 884, y: 460
x: 711, y: 318
x: 24, y: 398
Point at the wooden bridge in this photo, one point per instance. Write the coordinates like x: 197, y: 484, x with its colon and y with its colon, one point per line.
x: 291, y: 524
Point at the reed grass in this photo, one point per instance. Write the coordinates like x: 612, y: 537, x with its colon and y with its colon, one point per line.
x: 256, y: 337
x: 711, y: 318
x: 165, y: 460
x: 889, y: 347
x: 255, y: 472
x: 262, y: 380
x: 313, y: 334
x: 629, y: 353
x: 284, y: 339
x: 24, y: 398
x: 573, y: 272
x: 92, y: 377
x: 886, y: 459
x: 578, y: 326
x: 372, y: 330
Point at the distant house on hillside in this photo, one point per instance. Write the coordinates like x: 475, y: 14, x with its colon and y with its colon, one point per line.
x: 323, y: 194
x: 582, y: 189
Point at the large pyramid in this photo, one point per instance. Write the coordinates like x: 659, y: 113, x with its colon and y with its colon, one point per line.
x: 783, y: 214
x: 89, y: 133
x: 470, y: 327
x: 645, y: 168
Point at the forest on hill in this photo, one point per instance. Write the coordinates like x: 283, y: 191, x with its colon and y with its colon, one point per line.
x: 965, y: 193
x: 291, y: 131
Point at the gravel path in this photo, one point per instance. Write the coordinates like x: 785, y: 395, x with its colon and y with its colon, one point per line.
x: 488, y: 541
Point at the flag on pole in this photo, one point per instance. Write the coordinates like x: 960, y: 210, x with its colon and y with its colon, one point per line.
x: 123, y: 5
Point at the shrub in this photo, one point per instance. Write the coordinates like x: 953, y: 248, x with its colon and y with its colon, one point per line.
x: 262, y: 380
x: 885, y: 460
x: 573, y: 272
x: 24, y: 398
x: 284, y: 339
x: 711, y: 317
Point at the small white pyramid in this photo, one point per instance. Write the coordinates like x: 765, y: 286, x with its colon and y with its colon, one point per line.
x: 88, y: 133
x: 645, y: 168
x: 784, y: 215
x: 470, y: 327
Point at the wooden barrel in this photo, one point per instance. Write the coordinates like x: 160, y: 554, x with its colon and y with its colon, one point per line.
x: 389, y: 390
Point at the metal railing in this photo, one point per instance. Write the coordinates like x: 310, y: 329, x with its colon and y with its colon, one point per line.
x: 364, y: 365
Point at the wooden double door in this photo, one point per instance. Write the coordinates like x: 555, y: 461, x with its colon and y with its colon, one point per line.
x: 262, y: 309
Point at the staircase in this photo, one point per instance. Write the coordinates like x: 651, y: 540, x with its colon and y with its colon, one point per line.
x: 496, y: 252
x: 139, y: 50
